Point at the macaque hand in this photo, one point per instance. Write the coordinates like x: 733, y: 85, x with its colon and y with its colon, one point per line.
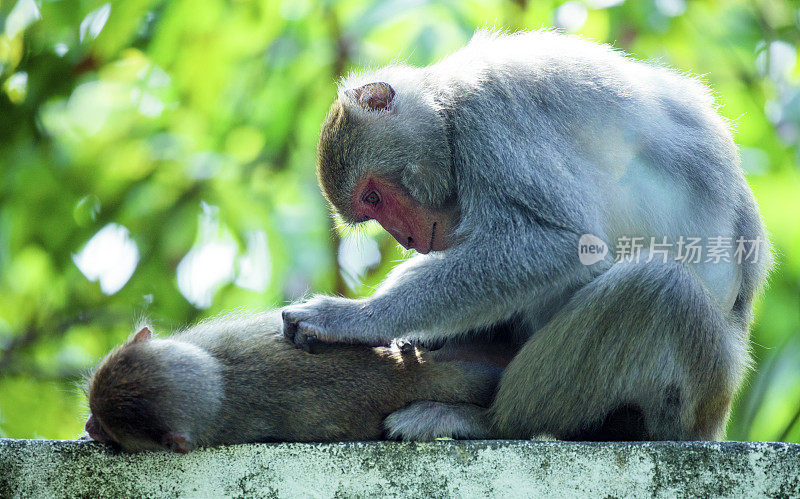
x: 328, y: 319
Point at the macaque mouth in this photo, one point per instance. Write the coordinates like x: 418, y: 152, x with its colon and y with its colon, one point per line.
x: 410, y: 241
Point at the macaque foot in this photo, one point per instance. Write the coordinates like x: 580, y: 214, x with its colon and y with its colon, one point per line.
x: 404, y: 345
x: 424, y: 421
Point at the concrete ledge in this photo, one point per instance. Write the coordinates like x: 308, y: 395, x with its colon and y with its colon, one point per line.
x: 52, y: 468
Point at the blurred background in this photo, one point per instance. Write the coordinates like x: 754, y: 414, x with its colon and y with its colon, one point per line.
x: 157, y: 159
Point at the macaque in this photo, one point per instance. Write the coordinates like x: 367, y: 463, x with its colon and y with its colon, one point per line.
x: 497, y: 164
x: 236, y: 380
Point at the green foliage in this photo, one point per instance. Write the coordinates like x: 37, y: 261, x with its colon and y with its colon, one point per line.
x: 184, y: 131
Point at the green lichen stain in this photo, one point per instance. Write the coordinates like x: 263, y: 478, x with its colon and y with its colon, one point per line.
x: 434, y: 469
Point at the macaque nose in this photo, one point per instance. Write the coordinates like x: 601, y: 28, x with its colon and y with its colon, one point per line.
x: 93, y: 429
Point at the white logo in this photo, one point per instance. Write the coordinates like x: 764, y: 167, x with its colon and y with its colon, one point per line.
x: 591, y: 249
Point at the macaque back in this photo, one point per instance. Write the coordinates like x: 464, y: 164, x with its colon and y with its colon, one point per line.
x: 236, y: 379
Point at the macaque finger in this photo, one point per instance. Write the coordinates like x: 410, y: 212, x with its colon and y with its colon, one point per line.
x: 300, y: 340
x: 289, y: 326
x: 306, y: 343
x: 312, y: 345
x: 297, y: 334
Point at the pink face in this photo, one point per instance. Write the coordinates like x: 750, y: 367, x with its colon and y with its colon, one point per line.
x: 414, y: 226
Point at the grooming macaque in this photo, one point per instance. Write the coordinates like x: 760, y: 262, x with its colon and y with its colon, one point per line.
x: 236, y: 380
x: 496, y: 160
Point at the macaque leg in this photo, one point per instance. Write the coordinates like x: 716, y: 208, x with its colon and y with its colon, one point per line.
x: 644, y: 345
x: 427, y: 420
x: 643, y: 352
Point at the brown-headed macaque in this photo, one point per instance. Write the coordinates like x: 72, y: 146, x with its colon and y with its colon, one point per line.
x: 591, y: 203
x: 235, y: 379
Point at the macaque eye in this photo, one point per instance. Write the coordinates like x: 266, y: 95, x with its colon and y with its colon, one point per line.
x: 372, y: 198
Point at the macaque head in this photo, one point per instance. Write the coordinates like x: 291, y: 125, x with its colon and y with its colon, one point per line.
x: 153, y: 394
x: 384, y: 155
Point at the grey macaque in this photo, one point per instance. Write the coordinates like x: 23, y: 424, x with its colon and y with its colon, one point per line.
x: 236, y: 380
x: 501, y: 162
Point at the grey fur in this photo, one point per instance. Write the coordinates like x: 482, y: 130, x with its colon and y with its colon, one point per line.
x: 552, y: 137
x: 428, y: 420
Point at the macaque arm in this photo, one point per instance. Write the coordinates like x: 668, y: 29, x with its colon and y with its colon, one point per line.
x: 480, y: 282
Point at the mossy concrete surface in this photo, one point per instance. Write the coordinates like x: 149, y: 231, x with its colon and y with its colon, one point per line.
x: 57, y: 468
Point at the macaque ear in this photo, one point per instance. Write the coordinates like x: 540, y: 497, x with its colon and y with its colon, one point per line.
x: 144, y: 334
x: 177, y: 442
x: 376, y: 96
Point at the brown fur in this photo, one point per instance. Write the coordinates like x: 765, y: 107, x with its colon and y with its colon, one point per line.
x: 144, y: 393
x: 332, y: 164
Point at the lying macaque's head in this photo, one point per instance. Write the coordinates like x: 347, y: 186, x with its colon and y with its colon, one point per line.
x: 152, y: 394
